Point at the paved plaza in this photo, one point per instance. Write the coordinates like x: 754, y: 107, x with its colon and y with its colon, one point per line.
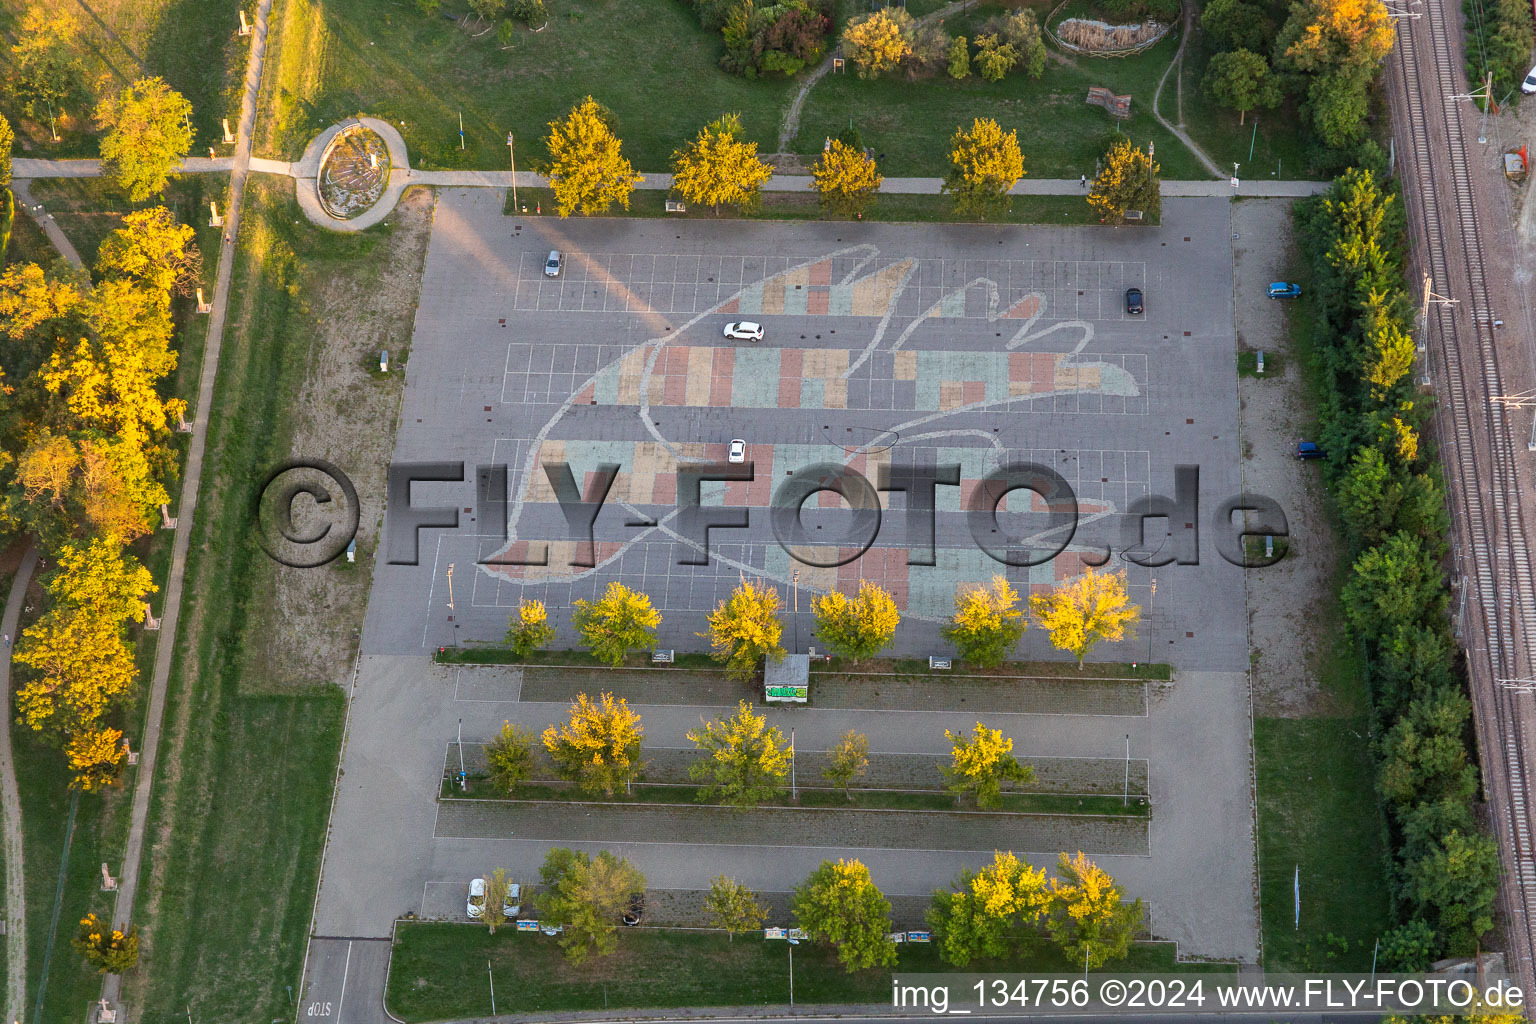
x: 886, y: 347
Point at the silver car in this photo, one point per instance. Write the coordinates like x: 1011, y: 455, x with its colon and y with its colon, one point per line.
x: 553, y: 264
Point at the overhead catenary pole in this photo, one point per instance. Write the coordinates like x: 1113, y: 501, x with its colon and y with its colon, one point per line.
x: 492, y: 978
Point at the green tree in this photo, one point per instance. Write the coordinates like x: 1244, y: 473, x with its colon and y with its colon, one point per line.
x: 1081, y: 612
x: 585, y: 895
x: 959, y: 57
x: 1130, y: 180
x: 1338, y: 45
x: 154, y: 250
x: 46, y: 74
x: 1086, y: 919
x: 509, y: 757
x: 744, y: 629
x: 1408, y: 948
x: 994, y: 57
x: 1393, y: 583
x: 984, y: 164
x: 991, y: 912
x: 746, y: 759
x: 1240, y: 79
x: 733, y: 907
x: 1020, y: 31
x: 844, y: 179
x: 104, y: 948
x: 495, y: 913
x: 587, y: 168
x: 1237, y: 25
x: 981, y: 763
x: 839, y: 904
x: 1458, y: 881
x: 987, y: 623
x: 719, y: 168
x: 1423, y: 756
x: 148, y: 133
x: 528, y: 629
x: 847, y: 760
x: 622, y: 620
x: 599, y: 748
x: 859, y: 627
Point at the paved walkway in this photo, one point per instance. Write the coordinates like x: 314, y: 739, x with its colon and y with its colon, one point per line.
x: 34, y: 209
x: 402, y: 176
x: 10, y: 803
x: 186, y: 513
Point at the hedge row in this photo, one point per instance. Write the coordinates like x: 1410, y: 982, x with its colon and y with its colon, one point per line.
x: 1395, y: 598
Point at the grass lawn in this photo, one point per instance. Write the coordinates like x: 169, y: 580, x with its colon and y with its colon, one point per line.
x: 648, y: 61
x: 1273, y: 137
x: 438, y: 971
x: 1062, y: 137
x: 893, y: 207
x: 194, y: 45
x: 89, y: 209
x: 236, y: 831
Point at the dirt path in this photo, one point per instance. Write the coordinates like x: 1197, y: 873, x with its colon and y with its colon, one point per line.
x: 1178, y: 63
x: 792, y: 116
x: 10, y: 801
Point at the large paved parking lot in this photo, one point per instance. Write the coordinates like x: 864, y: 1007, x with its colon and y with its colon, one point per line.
x: 886, y: 346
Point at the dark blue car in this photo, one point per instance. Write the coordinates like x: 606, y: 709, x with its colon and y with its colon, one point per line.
x: 1309, y: 450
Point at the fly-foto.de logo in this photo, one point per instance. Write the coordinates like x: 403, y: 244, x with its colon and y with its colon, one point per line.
x: 1018, y: 514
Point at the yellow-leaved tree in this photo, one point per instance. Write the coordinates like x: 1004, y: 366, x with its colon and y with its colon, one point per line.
x: 100, y: 577
x: 745, y: 628
x: 1081, y: 612
x: 844, y: 179
x: 529, y: 628
x: 620, y: 621
x: 30, y: 298
x: 148, y: 133
x: 82, y: 666
x: 985, y: 162
x: 719, y: 168
x: 599, y: 748
x: 990, y: 911
x: 587, y: 168
x: 878, y: 42
x: 746, y: 760
x: 981, y: 762
x: 153, y: 250
x: 1087, y: 919
x: 857, y: 627
x: 1128, y: 180
x: 94, y: 755
x: 987, y: 623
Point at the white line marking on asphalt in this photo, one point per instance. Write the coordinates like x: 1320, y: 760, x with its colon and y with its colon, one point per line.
x: 342, y: 1000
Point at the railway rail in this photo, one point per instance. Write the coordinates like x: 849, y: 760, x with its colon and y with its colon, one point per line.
x: 1490, y: 545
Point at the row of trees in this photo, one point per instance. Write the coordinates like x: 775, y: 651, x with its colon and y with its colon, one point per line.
x: 1326, y: 54
x: 85, y: 428
x: 890, y: 40
x: 1000, y: 912
x: 1392, y: 508
x: 746, y: 761
x: 745, y: 629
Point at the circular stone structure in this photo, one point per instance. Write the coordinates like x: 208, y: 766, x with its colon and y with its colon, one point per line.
x: 354, y: 171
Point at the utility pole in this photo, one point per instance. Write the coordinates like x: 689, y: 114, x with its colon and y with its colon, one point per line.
x: 1126, y: 799
x: 450, y: 586
x: 463, y: 775
x: 794, y: 794
x: 513, y: 154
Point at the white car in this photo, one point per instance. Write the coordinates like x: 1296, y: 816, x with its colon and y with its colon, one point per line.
x: 553, y: 264
x: 746, y: 330
x: 512, y: 905
x: 476, y: 906
x: 737, y: 452
x: 1529, y: 85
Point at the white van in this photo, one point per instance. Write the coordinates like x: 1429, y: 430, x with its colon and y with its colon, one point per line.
x: 554, y: 263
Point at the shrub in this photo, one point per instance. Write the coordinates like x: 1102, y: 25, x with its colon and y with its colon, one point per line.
x: 959, y: 56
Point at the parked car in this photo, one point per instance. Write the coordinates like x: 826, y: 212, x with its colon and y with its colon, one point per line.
x: 738, y: 451
x: 1284, y: 290
x: 475, y: 908
x: 553, y: 264
x: 746, y: 330
x: 1529, y: 85
x: 512, y: 903
x: 636, y: 909
x: 1133, y: 300
x: 1309, y: 450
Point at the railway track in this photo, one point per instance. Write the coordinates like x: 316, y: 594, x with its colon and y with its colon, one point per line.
x: 1490, y: 544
